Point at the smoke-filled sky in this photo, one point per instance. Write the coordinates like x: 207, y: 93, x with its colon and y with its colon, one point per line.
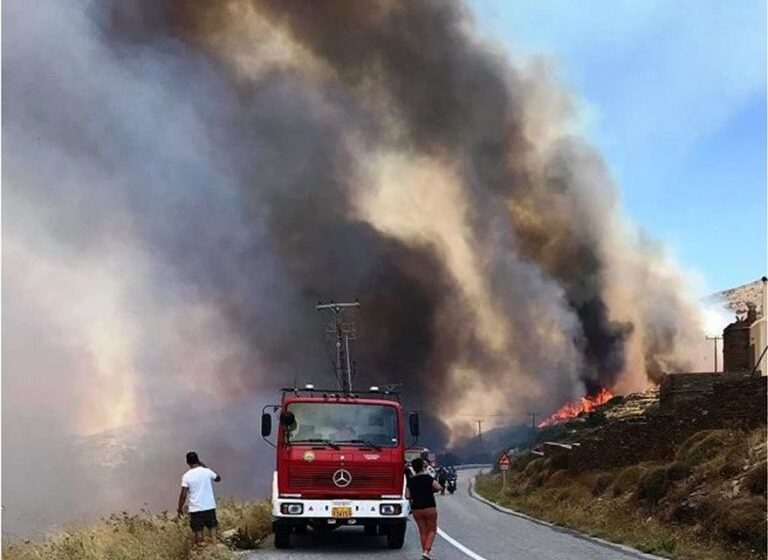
x: 684, y: 133
x: 183, y: 181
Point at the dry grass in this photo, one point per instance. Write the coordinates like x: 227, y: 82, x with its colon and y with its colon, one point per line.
x: 709, y: 504
x: 703, y: 445
x: 147, y: 536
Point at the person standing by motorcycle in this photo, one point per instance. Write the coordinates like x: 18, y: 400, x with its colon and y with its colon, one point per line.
x: 442, y: 476
x: 451, y: 480
x: 421, y: 491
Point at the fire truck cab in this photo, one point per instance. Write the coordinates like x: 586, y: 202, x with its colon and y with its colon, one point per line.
x: 340, y: 460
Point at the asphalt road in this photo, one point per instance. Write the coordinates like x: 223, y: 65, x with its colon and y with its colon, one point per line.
x: 469, y: 529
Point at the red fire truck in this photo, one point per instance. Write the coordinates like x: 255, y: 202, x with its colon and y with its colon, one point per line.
x: 340, y: 461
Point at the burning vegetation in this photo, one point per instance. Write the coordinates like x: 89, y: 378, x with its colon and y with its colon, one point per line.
x: 574, y: 409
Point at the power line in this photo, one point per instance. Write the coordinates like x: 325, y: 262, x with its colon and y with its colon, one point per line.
x: 344, y: 332
x: 489, y: 415
x: 533, y: 419
x: 715, y: 339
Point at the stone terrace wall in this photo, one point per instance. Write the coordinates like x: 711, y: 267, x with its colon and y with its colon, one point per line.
x: 722, y: 401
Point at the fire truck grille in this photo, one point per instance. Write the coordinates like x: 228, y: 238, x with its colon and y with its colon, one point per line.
x: 316, y: 477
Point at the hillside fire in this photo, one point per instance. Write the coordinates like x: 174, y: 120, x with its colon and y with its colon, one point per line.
x: 574, y: 409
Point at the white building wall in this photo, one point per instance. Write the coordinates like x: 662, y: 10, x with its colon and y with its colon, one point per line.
x: 758, y: 339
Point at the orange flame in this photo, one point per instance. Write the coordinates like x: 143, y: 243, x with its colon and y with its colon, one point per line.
x: 574, y: 409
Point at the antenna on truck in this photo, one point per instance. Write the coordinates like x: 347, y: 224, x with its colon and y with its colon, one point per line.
x: 343, y: 331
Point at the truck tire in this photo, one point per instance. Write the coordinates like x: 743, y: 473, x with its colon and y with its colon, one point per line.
x: 370, y: 528
x: 300, y: 529
x: 282, y: 536
x: 396, y: 535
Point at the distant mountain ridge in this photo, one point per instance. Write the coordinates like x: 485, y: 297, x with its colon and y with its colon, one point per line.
x: 736, y: 299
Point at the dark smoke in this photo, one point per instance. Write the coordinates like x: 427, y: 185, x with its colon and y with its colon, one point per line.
x: 184, y: 180
x: 457, y: 99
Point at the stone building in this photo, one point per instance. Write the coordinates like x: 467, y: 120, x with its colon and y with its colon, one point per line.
x: 738, y: 355
x: 758, y: 341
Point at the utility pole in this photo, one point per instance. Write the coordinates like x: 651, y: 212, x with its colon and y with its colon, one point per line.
x: 479, y: 428
x: 343, y: 333
x: 715, y: 339
x: 533, y: 419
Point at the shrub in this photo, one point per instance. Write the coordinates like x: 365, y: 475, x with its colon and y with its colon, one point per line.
x: 678, y: 471
x: 731, y: 462
x: 563, y: 495
x: 558, y: 478
x: 602, y: 482
x: 534, y: 467
x: 743, y: 520
x: 252, y: 522
x: 689, y: 510
x: 666, y: 545
x: 557, y: 461
x: 627, y: 479
x: 755, y: 481
x: 652, y: 487
x: 488, y: 485
x: 522, y: 461
x: 537, y: 480
x: 703, y: 446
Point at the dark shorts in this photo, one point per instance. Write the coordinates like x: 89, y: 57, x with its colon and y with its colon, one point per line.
x: 203, y: 519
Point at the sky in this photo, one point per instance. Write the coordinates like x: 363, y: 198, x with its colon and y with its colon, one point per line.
x: 673, y: 93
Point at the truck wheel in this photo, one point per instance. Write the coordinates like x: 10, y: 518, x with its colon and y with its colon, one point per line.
x: 370, y: 528
x: 300, y: 529
x: 396, y: 535
x: 282, y: 536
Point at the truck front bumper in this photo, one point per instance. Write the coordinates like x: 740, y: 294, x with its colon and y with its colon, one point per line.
x: 298, y: 508
x: 343, y: 510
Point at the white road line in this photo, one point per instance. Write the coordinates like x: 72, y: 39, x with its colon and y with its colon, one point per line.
x: 460, y: 546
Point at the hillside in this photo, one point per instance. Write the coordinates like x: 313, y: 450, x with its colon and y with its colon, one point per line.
x: 680, y: 471
x: 707, y: 502
x: 736, y: 299
x: 132, y: 467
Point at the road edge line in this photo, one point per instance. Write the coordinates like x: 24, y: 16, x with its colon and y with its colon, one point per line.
x: 567, y: 530
x: 450, y: 540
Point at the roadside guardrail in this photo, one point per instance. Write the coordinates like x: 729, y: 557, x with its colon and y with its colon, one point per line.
x: 473, y: 466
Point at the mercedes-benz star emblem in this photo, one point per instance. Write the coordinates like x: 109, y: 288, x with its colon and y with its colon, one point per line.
x: 342, y: 478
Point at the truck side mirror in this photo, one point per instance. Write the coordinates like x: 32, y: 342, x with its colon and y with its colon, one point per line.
x: 413, y: 423
x: 266, y: 424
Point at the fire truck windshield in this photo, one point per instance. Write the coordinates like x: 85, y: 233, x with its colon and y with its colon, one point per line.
x: 341, y: 423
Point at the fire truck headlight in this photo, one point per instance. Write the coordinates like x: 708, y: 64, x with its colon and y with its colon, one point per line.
x: 390, y: 509
x: 292, y: 509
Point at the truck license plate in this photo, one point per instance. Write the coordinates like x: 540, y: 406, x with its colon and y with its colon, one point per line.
x: 341, y: 512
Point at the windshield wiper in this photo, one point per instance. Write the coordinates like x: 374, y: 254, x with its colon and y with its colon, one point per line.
x: 364, y: 442
x: 327, y: 442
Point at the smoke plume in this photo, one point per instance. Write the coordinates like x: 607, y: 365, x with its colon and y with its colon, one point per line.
x: 184, y: 180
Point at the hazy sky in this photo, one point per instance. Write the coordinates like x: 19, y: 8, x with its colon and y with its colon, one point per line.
x: 674, y: 95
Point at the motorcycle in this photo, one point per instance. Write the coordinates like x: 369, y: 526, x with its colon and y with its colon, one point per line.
x: 450, y: 484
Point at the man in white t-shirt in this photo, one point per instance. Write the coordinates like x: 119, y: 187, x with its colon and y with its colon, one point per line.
x: 197, y: 485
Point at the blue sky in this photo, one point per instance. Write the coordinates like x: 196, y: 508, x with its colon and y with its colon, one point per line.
x: 673, y: 93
